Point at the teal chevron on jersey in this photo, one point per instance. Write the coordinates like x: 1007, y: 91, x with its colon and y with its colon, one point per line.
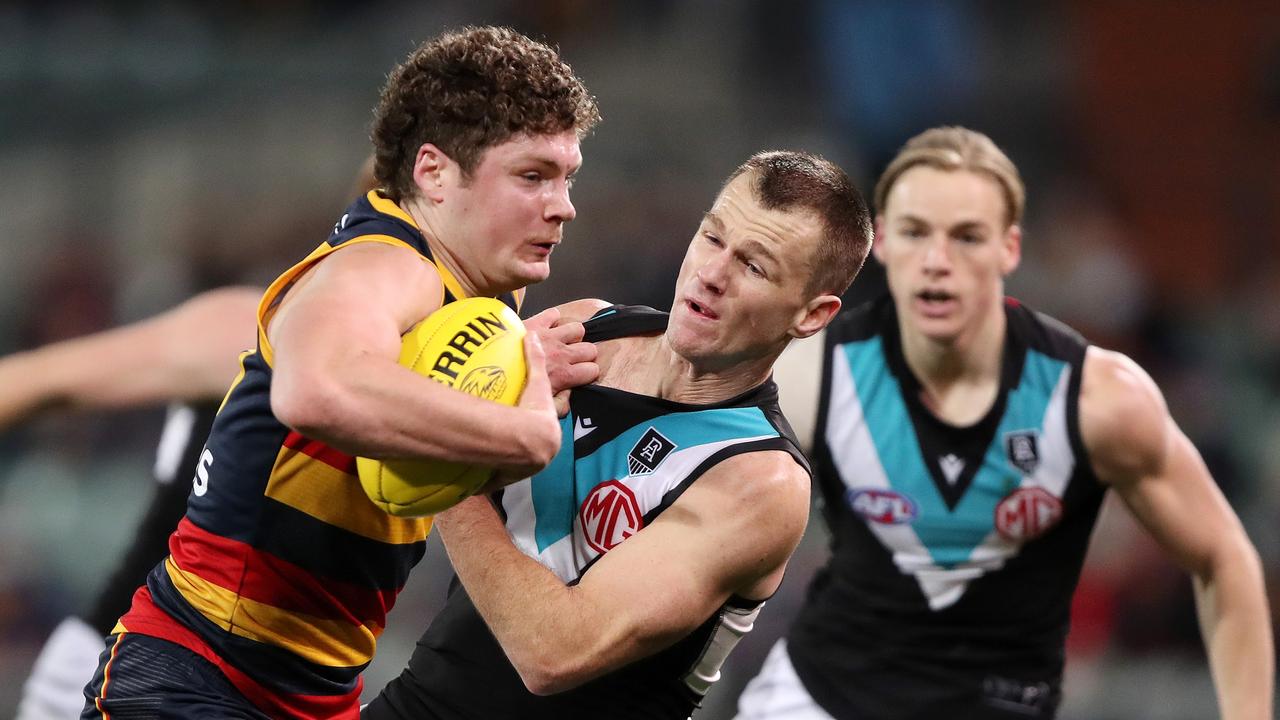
x: 949, y: 535
x: 1025, y: 411
x: 552, y: 491
x: 897, y: 447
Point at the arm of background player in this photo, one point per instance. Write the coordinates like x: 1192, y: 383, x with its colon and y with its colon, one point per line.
x: 187, y: 353
x: 336, y: 340
x: 731, y: 532
x: 1138, y: 449
x: 798, y: 373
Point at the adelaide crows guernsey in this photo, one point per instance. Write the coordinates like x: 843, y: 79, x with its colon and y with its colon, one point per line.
x: 955, y: 551
x: 624, y: 460
x: 283, y: 571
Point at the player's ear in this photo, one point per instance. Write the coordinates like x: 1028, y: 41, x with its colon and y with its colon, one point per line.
x: 815, y: 315
x: 431, y: 170
x: 1011, y: 254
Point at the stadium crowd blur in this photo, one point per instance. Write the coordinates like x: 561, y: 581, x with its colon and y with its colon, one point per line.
x: 159, y: 148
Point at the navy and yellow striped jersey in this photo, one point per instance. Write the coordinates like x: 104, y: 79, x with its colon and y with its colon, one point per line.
x: 283, y: 571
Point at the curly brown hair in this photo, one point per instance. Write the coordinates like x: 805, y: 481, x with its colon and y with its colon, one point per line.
x: 468, y: 90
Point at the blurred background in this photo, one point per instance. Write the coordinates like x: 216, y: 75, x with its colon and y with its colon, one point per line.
x: 149, y: 150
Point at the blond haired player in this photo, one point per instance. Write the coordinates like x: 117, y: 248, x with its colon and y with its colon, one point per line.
x: 963, y: 447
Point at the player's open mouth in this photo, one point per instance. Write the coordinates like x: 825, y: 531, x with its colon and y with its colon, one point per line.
x: 701, y: 310
x: 935, y: 300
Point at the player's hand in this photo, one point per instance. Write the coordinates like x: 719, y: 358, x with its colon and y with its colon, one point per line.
x: 540, y: 426
x: 570, y: 361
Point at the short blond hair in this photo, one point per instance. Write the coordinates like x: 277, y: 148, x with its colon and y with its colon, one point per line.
x: 956, y: 148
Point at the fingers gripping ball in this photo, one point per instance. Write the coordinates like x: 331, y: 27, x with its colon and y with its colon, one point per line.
x: 475, y: 346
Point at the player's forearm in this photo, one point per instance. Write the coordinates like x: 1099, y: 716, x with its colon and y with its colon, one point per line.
x: 381, y: 410
x: 547, y: 635
x: 24, y: 388
x: 1235, y: 621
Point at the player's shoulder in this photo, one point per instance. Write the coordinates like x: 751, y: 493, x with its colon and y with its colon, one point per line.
x: 762, y: 475
x: 582, y: 310
x: 1043, y: 332
x: 614, y: 322
x: 1123, y: 417
x: 763, y: 493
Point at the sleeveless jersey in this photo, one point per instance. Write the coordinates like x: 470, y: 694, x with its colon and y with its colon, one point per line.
x: 955, y: 551
x: 283, y: 571
x: 625, y: 459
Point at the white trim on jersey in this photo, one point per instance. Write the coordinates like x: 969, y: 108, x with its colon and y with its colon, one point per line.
x: 1057, y: 463
x: 853, y: 451
x: 569, y: 555
x: 174, y: 439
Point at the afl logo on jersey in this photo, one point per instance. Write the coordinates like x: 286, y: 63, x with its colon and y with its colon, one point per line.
x: 609, y: 515
x: 881, y: 506
x: 1027, y: 513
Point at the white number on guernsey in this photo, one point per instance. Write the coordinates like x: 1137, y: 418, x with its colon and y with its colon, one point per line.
x: 201, y: 481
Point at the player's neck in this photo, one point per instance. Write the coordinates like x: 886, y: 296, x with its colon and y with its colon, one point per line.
x: 649, y: 366
x: 444, y: 256
x: 972, y: 357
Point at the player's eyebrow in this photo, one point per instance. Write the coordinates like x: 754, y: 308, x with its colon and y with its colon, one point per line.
x: 755, y: 247
x: 547, y: 164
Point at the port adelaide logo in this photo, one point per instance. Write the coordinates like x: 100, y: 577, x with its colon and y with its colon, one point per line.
x: 649, y: 452
x: 1021, y: 448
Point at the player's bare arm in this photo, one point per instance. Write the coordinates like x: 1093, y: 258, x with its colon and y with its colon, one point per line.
x: 729, y: 533
x: 336, y: 339
x: 1136, y: 448
x: 187, y: 353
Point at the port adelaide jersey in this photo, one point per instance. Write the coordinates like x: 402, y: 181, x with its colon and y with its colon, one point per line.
x: 282, y: 571
x: 625, y: 459
x: 956, y: 550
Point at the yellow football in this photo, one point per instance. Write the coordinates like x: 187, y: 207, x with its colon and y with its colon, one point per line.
x: 474, y: 346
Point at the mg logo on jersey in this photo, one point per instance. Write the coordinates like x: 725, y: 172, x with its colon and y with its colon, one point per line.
x: 609, y: 515
x: 649, y: 453
x: 882, y: 506
x: 1027, y: 513
x: 1021, y: 449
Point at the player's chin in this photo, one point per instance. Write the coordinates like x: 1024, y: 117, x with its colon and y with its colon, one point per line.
x: 687, y: 342
x: 533, y: 271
